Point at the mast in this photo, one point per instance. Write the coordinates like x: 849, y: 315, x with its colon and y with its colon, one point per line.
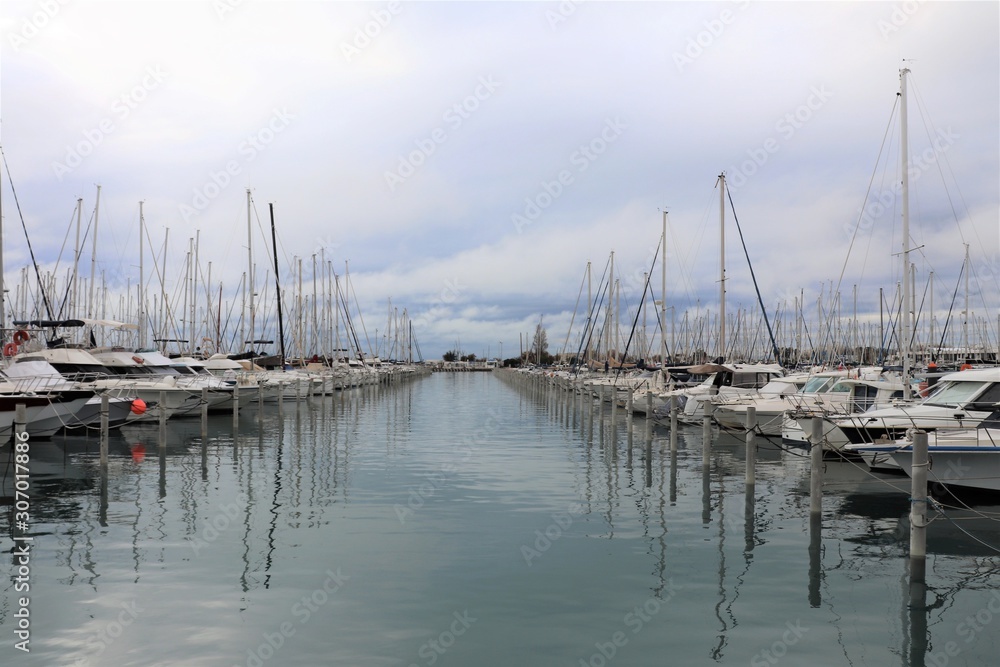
x: 904, y: 342
x: 965, y: 313
x: 192, y: 341
x: 3, y: 313
x: 93, y: 257
x: 277, y: 286
x: 76, y: 259
x: 142, y: 284
x: 250, y: 277
x: 722, y: 264
x: 663, y: 300
x: 931, y: 318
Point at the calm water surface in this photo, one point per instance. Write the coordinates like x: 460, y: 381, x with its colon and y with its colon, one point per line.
x: 461, y: 520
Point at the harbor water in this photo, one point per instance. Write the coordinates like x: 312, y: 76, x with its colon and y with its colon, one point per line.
x: 461, y: 519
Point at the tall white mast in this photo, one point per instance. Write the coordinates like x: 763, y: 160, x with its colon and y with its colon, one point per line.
x: 663, y: 299
x: 76, y: 260
x: 905, y: 158
x: 722, y: 264
x: 93, y: 257
x: 250, y: 278
x: 142, y: 284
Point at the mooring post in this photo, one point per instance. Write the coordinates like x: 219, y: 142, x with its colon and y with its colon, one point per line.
x: 105, y: 408
x: 751, y: 425
x: 163, y: 419
x: 816, y: 468
x: 706, y: 429
x: 673, y: 423
x: 236, y: 407
x: 649, y: 414
x: 918, y: 507
x: 629, y: 404
x: 204, y: 416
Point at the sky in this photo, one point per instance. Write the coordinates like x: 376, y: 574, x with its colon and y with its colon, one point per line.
x: 466, y: 160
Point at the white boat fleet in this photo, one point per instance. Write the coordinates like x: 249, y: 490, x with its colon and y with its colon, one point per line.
x: 62, y: 387
x: 862, y: 411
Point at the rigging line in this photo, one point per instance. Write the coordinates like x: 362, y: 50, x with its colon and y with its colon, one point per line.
x: 861, y: 214
x: 967, y: 533
x: 34, y: 262
x: 753, y: 276
x: 941, y: 155
x: 572, y: 320
x: 70, y: 283
x: 588, y: 330
x: 916, y: 315
x: 951, y: 308
x: 635, y: 322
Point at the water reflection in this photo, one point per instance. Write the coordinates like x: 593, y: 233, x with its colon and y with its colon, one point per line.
x: 249, y: 514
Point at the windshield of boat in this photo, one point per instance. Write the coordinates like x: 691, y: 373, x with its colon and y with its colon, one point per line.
x: 842, y: 388
x: 954, y: 393
x: 817, y: 385
x: 752, y: 379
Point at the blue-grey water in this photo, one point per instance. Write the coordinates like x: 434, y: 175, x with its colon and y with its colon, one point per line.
x: 462, y: 520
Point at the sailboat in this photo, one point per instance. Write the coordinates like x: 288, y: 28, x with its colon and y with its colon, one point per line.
x: 960, y: 400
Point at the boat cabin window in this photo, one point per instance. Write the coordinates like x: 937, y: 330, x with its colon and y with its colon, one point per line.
x: 745, y: 380
x: 864, y: 397
x: 988, y: 400
x: 817, y: 385
x: 130, y: 371
x: 954, y: 393
x: 81, y: 372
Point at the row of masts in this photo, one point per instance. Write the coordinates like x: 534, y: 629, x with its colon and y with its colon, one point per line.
x: 198, y: 316
x: 817, y: 332
x: 904, y: 332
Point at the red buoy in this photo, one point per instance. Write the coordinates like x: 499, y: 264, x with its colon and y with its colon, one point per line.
x: 138, y: 406
x: 138, y: 452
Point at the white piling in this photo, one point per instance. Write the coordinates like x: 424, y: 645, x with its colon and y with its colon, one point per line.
x: 816, y: 468
x: 751, y: 425
x: 918, y: 506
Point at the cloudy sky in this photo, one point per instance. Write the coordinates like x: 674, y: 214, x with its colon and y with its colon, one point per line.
x: 467, y: 159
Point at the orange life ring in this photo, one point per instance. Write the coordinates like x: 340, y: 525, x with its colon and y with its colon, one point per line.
x: 9, y: 349
x: 966, y: 367
x: 21, y: 336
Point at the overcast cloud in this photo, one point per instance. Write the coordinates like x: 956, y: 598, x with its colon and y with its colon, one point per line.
x: 469, y: 159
